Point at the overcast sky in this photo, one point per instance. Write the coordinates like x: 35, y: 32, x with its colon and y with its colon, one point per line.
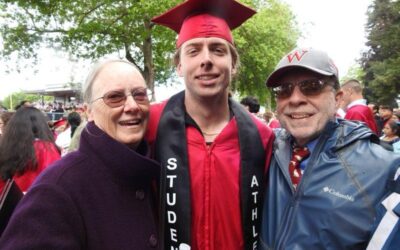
x: 338, y: 27
x: 334, y: 26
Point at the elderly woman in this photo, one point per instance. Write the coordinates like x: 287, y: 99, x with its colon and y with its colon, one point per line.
x: 101, y: 196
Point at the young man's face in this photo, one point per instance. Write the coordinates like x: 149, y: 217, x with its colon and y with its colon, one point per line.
x: 304, y: 116
x: 206, y: 66
x: 385, y: 113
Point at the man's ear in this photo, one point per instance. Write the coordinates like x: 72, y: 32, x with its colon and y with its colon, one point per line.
x: 88, y: 111
x: 179, y: 70
x: 338, y: 98
x: 234, y: 70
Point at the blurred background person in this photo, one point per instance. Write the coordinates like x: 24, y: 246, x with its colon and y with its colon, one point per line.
x: 396, y: 113
x: 271, y: 120
x: 386, y: 113
x: 100, y: 196
x: 4, y: 118
x: 391, y: 132
x: 64, y: 138
x: 395, y: 117
x: 58, y: 126
x: 251, y: 104
x: 74, y: 144
x: 26, y: 148
x: 378, y: 120
x: 23, y: 103
x: 355, y: 105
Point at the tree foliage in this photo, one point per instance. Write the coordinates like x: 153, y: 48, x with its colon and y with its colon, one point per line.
x: 261, y: 42
x: 354, y: 72
x: 381, y: 62
x: 95, y: 28
x: 91, y: 29
x: 15, y: 98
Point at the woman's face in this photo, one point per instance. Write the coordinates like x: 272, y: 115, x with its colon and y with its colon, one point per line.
x: 387, y: 130
x: 126, y: 121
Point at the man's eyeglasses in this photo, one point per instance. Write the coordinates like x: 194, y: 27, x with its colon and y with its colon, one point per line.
x: 307, y: 87
x: 116, y: 99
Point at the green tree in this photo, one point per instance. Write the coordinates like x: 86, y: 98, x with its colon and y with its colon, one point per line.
x: 381, y: 62
x: 92, y: 29
x: 354, y: 72
x: 15, y: 98
x: 261, y: 42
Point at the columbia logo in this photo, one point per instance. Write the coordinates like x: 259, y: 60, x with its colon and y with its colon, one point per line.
x: 337, y: 194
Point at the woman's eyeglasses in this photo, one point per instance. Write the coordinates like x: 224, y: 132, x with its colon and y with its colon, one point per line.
x: 116, y: 99
x: 307, y: 87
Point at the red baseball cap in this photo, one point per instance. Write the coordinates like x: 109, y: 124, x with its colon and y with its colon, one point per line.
x: 205, y: 18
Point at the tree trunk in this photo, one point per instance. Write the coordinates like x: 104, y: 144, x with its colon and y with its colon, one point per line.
x: 148, y: 70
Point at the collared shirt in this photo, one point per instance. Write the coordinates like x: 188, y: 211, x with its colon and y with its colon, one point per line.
x: 357, y: 102
x: 310, y: 145
x: 341, y: 113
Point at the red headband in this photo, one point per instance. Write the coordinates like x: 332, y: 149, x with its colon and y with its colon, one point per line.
x: 204, y: 25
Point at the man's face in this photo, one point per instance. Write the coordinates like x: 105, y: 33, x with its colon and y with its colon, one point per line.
x: 385, y: 113
x: 206, y: 66
x: 346, y: 97
x: 305, y: 116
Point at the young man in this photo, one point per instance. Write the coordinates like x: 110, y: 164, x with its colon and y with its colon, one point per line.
x: 325, y: 200
x: 386, y: 113
x: 251, y: 104
x: 212, y: 151
x: 356, y: 105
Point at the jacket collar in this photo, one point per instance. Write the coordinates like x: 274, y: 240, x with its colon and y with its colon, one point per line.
x: 123, y: 162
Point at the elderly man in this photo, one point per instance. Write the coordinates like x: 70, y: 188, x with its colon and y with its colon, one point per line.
x: 212, y: 151
x: 327, y: 175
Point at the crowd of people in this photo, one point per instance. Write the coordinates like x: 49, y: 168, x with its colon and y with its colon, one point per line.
x: 200, y: 170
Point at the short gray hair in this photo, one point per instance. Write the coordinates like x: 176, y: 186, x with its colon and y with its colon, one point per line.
x: 87, y: 90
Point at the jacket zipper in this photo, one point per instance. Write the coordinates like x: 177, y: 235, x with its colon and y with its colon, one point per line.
x: 290, y: 209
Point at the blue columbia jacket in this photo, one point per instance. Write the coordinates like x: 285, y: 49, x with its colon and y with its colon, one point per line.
x: 334, y: 206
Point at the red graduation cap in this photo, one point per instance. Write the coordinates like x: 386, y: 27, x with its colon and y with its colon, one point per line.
x: 205, y: 18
